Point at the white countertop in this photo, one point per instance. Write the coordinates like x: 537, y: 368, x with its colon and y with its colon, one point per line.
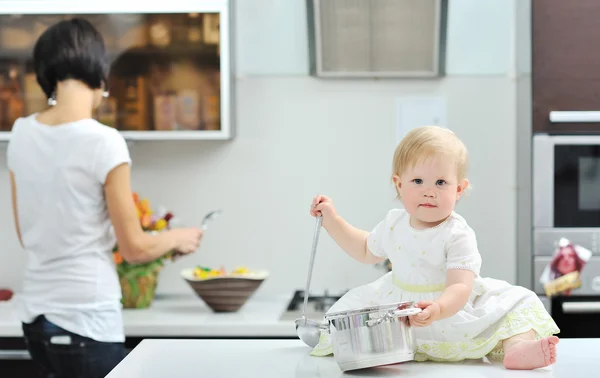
x: 290, y: 358
x: 185, y: 315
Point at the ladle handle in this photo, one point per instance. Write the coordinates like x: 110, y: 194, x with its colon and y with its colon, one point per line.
x: 312, y: 262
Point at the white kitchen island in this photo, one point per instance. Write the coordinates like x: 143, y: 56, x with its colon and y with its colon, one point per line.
x: 290, y: 358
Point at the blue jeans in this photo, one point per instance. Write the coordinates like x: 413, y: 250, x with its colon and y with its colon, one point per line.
x: 63, y: 354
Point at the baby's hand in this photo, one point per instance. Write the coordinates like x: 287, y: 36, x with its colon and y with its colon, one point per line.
x: 322, y: 205
x: 431, y: 313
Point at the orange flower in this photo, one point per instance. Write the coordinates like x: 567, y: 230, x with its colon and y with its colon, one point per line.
x: 145, y: 206
x: 118, y: 258
x: 146, y: 221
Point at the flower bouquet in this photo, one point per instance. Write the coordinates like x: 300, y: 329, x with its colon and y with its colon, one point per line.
x: 139, y: 281
x: 563, y: 273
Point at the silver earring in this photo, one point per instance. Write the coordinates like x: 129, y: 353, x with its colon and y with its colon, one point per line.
x: 52, y: 99
x: 105, y: 94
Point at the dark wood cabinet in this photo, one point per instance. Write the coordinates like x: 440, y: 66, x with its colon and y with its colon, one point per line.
x: 565, y: 63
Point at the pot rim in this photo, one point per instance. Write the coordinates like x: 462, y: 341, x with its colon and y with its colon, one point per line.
x: 377, y: 309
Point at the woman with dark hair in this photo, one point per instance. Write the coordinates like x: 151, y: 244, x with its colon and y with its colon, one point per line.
x: 72, y: 200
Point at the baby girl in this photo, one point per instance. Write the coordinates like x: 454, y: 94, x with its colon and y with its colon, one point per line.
x: 436, y: 264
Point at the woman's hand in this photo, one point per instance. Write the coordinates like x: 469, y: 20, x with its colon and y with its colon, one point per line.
x: 431, y: 313
x: 188, y: 240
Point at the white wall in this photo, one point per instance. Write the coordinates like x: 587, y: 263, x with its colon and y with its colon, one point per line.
x: 299, y: 136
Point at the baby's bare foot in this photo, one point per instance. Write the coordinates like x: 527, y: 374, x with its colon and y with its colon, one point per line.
x: 531, y: 354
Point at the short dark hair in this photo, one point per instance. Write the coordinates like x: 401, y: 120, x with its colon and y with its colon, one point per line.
x: 70, y: 49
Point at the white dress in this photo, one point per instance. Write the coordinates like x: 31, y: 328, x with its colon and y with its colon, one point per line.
x: 420, y: 259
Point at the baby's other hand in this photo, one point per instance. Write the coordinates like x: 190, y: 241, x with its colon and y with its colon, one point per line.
x: 431, y: 313
x: 322, y: 205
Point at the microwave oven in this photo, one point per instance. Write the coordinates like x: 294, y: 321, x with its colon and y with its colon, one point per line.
x: 566, y: 204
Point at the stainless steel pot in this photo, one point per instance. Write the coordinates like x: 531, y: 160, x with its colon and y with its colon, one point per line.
x: 373, y: 336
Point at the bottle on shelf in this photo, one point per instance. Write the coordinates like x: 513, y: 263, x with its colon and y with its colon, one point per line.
x: 11, y: 99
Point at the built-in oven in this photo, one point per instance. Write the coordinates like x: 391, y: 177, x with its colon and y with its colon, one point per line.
x: 566, y: 204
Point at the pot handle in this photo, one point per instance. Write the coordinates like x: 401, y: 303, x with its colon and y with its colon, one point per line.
x: 398, y: 313
x: 407, y: 312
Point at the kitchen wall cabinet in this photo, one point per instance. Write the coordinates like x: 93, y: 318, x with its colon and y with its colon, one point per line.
x: 170, y: 65
x: 566, y: 66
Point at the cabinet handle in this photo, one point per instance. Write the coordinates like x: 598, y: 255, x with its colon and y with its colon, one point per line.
x: 581, y: 307
x: 14, y: 355
x: 574, y: 116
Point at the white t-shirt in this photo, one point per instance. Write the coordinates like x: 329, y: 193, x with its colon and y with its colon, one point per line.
x: 70, y: 275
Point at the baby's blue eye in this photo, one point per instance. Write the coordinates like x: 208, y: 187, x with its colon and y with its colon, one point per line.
x: 418, y: 181
x: 440, y: 182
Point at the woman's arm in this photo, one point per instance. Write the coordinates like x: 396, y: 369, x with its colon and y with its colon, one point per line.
x: 13, y: 192
x: 135, y: 245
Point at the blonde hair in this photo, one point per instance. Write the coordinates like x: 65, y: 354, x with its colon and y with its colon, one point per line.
x: 426, y: 142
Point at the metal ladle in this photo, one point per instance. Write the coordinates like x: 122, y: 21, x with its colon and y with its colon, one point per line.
x: 309, y: 331
x: 209, y: 217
